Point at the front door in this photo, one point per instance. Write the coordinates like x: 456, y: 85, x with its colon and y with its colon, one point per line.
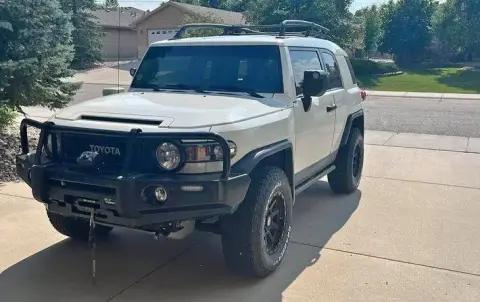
x: 314, y: 129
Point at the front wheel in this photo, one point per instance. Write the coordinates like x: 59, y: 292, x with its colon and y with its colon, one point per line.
x: 255, y: 238
x: 346, y: 177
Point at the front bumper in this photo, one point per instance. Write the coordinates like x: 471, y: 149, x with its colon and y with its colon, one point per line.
x: 120, y: 199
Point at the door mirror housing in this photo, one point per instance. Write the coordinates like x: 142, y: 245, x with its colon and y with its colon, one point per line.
x: 133, y: 71
x: 315, y: 84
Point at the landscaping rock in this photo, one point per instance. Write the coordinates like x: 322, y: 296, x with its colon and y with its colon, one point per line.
x: 10, y: 147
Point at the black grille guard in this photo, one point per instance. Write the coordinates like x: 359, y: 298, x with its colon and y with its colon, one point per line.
x: 132, y: 136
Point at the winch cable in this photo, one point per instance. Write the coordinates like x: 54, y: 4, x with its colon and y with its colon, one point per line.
x: 93, y: 245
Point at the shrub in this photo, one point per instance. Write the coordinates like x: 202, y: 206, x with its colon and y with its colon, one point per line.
x: 368, y: 67
x: 6, y: 117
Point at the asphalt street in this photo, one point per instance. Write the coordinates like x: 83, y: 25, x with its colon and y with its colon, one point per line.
x: 401, y: 115
x: 427, y: 116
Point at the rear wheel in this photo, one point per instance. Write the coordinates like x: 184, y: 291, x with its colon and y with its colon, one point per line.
x: 76, y: 228
x: 255, y: 238
x: 346, y: 177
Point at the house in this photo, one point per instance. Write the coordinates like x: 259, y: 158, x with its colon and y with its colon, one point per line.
x: 163, y: 22
x: 120, y: 39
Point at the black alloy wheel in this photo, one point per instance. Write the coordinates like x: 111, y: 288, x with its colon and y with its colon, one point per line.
x: 274, y: 226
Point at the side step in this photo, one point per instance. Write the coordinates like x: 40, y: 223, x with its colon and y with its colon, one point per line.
x: 307, y: 183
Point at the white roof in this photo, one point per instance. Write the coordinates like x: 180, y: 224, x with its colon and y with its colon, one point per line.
x: 256, y: 40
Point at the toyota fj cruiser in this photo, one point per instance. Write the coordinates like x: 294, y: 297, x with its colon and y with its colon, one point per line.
x: 215, y: 133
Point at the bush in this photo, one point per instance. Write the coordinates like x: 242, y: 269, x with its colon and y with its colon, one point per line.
x: 6, y: 117
x: 368, y: 67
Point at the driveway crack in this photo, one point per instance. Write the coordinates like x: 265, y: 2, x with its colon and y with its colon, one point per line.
x: 390, y: 259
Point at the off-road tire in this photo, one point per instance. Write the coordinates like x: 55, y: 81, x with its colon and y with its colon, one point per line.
x: 243, y: 233
x: 76, y: 228
x: 345, y: 179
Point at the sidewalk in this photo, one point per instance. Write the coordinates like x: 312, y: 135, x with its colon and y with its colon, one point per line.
x: 427, y: 95
x: 423, y: 141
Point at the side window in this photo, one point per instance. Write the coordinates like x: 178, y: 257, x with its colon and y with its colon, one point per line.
x: 332, y: 68
x: 350, y: 67
x: 303, y: 60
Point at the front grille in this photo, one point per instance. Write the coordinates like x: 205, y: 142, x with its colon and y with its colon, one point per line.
x: 112, y: 150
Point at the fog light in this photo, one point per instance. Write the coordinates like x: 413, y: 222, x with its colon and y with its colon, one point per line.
x: 161, y: 194
x: 192, y: 188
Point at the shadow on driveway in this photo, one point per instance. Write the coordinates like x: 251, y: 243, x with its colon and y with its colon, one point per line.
x: 133, y: 267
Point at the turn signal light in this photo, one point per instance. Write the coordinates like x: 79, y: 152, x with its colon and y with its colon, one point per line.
x: 363, y: 95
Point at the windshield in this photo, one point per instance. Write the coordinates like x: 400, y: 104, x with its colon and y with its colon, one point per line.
x: 253, y: 69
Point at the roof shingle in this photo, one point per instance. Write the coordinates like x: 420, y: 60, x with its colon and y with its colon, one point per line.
x: 112, y: 16
x: 228, y: 17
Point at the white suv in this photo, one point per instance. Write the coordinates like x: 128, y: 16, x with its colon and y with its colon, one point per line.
x: 215, y: 133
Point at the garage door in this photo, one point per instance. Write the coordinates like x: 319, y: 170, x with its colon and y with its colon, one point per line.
x: 155, y: 35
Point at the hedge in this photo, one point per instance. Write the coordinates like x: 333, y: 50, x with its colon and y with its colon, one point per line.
x: 368, y: 67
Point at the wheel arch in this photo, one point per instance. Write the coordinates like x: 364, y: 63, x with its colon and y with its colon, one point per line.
x: 354, y: 120
x: 279, y: 155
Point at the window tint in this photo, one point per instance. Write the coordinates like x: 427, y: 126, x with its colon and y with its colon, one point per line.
x: 352, y: 73
x: 332, y: 68
x: 215, y: 68
x: 303, y: 60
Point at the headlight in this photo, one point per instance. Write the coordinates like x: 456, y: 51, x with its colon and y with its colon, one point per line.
x: 208, y: 152
x: 168, y: 156
x: 218, y: 150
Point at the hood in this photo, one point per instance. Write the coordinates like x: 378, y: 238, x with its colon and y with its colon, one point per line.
x: 175, y: 109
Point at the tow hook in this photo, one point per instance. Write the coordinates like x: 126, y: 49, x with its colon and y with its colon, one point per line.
x: 176, y: 230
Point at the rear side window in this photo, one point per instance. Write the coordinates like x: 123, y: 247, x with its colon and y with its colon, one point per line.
x: 333, y: 69
x: 350, y: 67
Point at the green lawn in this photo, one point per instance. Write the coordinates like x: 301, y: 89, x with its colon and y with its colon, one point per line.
x: 442, y: 80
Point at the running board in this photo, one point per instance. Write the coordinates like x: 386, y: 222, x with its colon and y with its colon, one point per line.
x: 306, y: 184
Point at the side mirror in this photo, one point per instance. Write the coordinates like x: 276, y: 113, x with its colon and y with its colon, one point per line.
x: 315, y: 83
x: 133, y: 71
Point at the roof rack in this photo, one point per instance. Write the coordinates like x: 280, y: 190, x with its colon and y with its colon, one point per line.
x: 313, y: 29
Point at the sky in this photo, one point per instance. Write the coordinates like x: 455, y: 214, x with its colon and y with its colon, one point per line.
x: 152, y: 4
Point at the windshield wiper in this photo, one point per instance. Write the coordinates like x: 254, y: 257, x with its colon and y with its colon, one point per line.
x: 234, y: 89
x: 185, y: 87
x: 157, y: 87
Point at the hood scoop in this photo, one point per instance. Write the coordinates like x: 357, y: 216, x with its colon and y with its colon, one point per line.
x: 121, y: 120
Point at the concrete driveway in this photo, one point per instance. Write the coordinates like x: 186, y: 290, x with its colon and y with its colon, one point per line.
x: 410, y: 233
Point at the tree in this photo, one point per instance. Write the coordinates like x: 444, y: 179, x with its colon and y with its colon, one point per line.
x: 235, y: 5
x: 372, y: 25
x: 201, y: 32
x: 457, y: 24
x: 331, y: 14
x: 35, y: 55
x: 87, y: 34
x: 408, y: 30
x: 111, y: 3
x: 230, y: 5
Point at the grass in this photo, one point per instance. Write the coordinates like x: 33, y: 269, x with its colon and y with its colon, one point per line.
x: 424, y: 79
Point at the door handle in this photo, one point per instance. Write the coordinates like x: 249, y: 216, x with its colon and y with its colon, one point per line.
x: 331, y: 108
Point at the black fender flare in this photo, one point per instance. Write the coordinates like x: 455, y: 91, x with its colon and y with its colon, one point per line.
x: 348, y: 126
x: 248, y: 162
